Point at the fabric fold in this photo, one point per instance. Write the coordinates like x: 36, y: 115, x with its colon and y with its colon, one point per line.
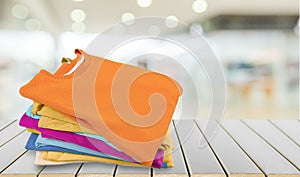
x: 130, y: 106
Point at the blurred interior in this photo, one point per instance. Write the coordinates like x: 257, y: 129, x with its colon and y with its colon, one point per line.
x: 256, y: 42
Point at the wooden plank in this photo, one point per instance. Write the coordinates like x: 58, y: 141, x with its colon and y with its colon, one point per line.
x: 201, y: 160
x: 9, y: 132
x: 10, y: 151
x: 5, y: 122
x: 24, y: 166
x: 96, y: 170
x: 179, y: 169
x: 66, y: 170
x: 225, y: 148
x: 127, y: 171
x: 271, y: 162
x: 277, y: 140
x: 290, y: 128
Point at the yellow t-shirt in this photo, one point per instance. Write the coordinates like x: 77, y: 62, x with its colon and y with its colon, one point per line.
x: 136, y: 123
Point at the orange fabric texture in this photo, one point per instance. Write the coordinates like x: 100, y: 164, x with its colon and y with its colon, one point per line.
x: 129, y: 106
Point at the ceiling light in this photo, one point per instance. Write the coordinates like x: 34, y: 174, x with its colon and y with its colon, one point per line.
x: 144, y: 3
x: 78, y: 0
x: 196, y: 29
x: 78, y: 15
x: 127, y: 18
x: 33, y: 24
x: 78, y: 27
x: 20, y: 11
x: 171, y: 21
x: 200, y: 6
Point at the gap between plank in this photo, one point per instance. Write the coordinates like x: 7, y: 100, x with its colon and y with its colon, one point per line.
x: 270, y: 144
x: 209, y: 145
x: 13, y: 161
x: 38, y: 174
x: 12, y: 138
x: 78, y: 169
x: 242, y: 149
x: 8, y: 125
x: 181, y: 148
x: 115, y: 171
x: 284, y: 133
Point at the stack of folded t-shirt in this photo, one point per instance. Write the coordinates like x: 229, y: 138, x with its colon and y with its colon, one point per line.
x: 60, y: 134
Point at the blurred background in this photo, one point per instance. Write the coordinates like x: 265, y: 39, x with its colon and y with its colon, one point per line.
x: 256, y: 42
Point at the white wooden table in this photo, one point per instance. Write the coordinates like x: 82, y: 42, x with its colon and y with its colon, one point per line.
x: 247, y: 148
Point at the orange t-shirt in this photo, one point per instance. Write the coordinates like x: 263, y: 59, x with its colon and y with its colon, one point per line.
x: 130, y: 106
